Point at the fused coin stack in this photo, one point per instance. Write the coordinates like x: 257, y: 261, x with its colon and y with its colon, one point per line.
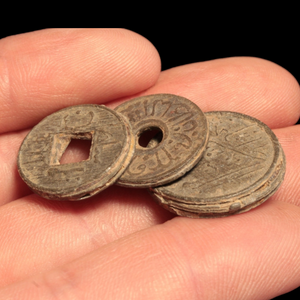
x: 194, y: 164
x: 243, y: 165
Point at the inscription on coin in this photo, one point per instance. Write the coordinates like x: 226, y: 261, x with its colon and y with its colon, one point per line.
x: 243, y: 163
x: 112, y: 146
x: 184, y: 133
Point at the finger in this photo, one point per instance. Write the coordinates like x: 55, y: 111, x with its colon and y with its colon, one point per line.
x: 112, y: 214
x: 248, y: 85
x: 289, y: 191
x: 12, y: 186
x: 43, y: 71
x: 248, y: 256
x: 49, y: 233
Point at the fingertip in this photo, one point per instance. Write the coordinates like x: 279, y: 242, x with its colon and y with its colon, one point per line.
x: 47, y: 70
x: 275, y: 90
x: 249, y: 85
x: 268, y: 91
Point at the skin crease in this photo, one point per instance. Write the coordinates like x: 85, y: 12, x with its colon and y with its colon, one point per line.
x: 120, y: 244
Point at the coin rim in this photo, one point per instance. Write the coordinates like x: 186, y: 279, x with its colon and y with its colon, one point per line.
x: 199, y: 212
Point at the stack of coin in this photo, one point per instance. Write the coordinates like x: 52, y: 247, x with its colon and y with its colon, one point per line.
x: 243, y: 165
x: 194, y: 164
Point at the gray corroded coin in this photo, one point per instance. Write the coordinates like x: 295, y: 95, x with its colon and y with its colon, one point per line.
x: 183, y: 132
x: 242, y: 167
x: 112, y: 147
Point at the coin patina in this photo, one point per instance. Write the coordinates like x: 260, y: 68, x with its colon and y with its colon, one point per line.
x: 243, y: 165
x: 182, y: 131
x: 112, y: 146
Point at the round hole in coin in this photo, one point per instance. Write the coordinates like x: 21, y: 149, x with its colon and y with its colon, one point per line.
x: 153, y: 134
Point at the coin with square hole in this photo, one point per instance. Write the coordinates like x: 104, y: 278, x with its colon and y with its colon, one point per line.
x: 171, y: 133
x: 76, y: 152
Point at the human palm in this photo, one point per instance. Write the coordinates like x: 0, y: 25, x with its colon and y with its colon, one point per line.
x: 120, y: 244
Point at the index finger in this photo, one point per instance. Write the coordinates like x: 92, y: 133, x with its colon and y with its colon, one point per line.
x: 248, y: 85
x: 44, y: 71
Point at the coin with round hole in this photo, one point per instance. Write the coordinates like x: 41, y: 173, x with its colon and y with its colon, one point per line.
x: 181, y: 132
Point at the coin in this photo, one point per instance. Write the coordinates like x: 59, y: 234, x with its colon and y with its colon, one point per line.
x: 243, y: 165
x: 112, y: 146
x: 183, y: 133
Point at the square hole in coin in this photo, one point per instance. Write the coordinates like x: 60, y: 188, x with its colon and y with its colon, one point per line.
x: 77, y: 150
x: 70, y: 148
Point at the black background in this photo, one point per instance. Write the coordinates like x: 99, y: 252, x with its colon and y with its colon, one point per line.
x: 183, y: 45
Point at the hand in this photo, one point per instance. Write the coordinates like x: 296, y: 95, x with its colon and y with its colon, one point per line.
x: 120, y: 244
